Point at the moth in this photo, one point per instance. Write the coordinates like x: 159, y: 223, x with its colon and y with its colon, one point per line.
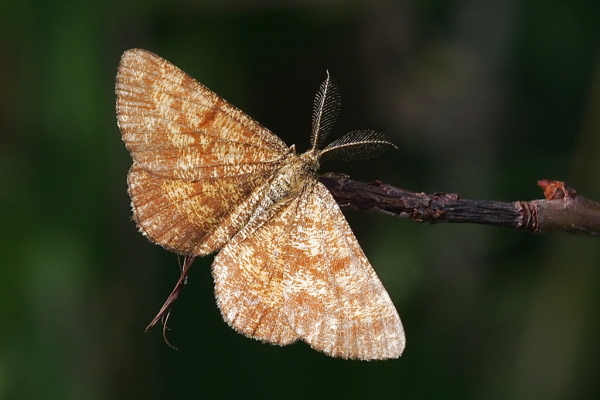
x: 206, y: 177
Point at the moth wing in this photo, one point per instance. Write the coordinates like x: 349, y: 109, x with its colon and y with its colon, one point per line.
x: 248, y: 274
x: 177, y: 128
x: 301, y: 274
x: 333, y: 299
x: 197, y: 159
x: 192, y: 217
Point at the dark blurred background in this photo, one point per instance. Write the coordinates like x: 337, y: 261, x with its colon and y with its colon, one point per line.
x: 483, y: 98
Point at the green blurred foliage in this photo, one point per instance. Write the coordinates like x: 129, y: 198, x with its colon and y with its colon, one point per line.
x: 482, y: 98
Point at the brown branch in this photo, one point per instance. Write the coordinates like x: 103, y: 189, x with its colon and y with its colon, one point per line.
x: 562, y: 210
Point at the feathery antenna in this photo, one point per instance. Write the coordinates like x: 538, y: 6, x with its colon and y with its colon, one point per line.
x: 326, y: 109
x: 357, y: 145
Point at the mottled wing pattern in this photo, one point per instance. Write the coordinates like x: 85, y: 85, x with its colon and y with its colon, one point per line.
x: 302, y: 274
x: 248, y: 274
x: 176, y: 127
x: 193, y: 218
x: 333, y: 298
x: 196, y: 157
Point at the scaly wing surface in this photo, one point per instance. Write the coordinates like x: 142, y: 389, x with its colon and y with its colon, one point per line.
x: 333, y: 298
x: 176, y: 127
x: 193, y: 218
x: 199, y: 162
x: 248, y: 274
x: 302, y: 274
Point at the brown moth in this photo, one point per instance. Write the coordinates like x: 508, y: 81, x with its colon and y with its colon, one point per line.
x: 206, y: 177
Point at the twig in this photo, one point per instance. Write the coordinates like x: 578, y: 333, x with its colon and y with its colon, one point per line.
x: 562, y: 210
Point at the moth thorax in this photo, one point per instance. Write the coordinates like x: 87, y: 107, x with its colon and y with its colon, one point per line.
x: 293, y: 176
